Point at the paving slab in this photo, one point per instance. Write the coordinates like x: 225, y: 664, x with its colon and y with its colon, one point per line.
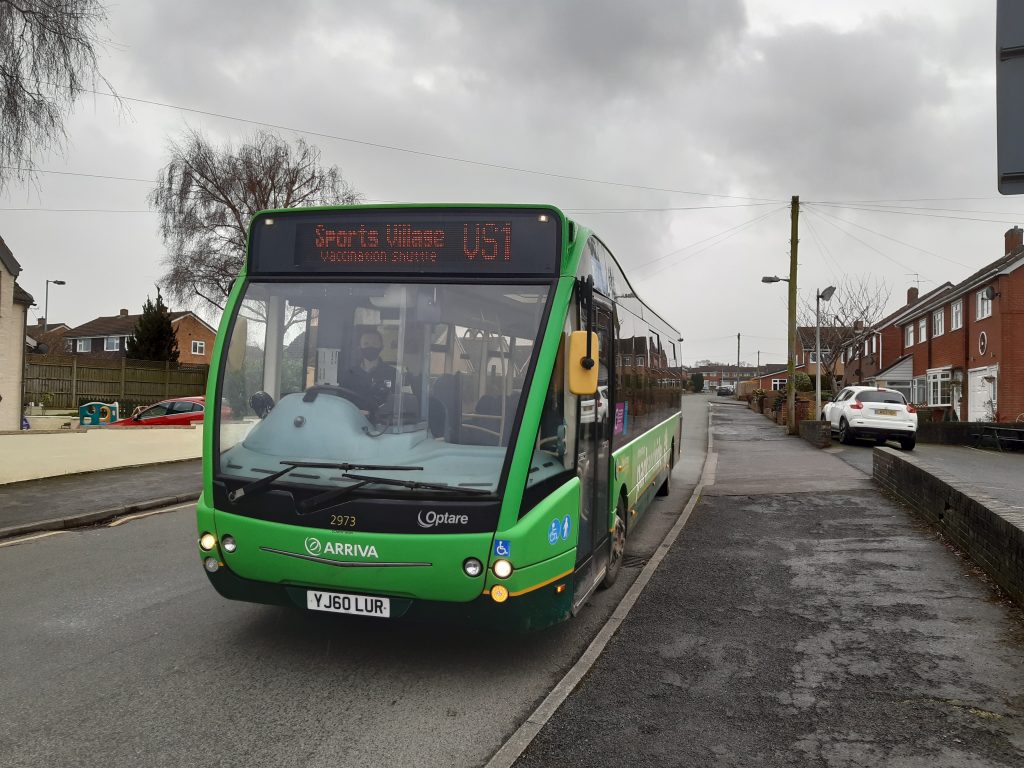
x: 52, y: 503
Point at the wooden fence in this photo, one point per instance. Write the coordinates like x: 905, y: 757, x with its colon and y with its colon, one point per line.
x: 67, y: 381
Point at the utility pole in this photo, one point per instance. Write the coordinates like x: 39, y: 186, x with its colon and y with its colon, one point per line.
x: 794, y: 212
x: 759, y: 364
x: 737, y: 361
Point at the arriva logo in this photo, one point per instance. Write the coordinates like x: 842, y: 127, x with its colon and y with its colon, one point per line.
x: 430, y: 519
x: 367, y: 551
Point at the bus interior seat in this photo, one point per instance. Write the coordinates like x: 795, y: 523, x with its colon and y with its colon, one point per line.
x: 445, y: 407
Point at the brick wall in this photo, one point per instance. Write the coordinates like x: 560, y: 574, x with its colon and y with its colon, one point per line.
x: 990, y: 532
x: 817, y: 433
x: 953, y: 432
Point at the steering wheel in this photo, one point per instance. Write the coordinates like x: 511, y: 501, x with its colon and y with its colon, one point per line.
x: 358, y: 399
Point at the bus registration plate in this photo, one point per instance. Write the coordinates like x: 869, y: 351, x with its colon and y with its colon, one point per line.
x: 358, y: 605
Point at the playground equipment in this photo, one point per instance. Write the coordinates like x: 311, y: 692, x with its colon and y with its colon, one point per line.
x: 97, y: 414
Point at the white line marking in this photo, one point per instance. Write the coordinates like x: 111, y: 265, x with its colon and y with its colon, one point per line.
x: 33, y: 537
x: 520, y: 740
x: 149, y: 513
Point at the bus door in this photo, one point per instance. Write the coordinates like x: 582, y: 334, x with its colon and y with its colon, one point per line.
x: 594, y: 456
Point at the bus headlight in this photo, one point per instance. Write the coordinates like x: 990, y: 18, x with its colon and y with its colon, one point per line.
x: 502, y: 569
x: 229, y: 543
x: 207, y: 542
x: 472, y: 567
x: 211, y: 564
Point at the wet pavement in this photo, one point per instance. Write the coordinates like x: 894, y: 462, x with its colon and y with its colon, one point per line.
x: 999, y: 475
x: 800, y: 619
x: 47, y: 503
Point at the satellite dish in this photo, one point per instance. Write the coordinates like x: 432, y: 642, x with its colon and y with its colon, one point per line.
x: 990, y: 293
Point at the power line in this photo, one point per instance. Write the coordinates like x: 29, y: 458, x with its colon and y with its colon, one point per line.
x: 862, y: 242
x: 824, y: 250
x: 913, y: 213
x: 895, y: 240
x: 725, y: 232
x: 421, y: 153
x: 72, y: 173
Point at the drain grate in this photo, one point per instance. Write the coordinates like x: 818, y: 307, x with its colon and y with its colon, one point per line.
x: 634, y: 561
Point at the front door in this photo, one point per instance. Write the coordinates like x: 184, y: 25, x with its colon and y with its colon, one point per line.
x: 593, y: 462
x: 981, y: 394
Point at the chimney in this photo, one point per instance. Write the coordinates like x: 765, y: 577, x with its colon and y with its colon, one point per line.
x: 912, y: 294
x: 1014, y: 239
x: 124, y: 313
x: 40, y: 322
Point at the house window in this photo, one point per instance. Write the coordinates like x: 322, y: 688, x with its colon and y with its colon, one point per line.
x: 111, y: 344
x: 919, y: 390
x: 939, y: 392
x: 627, y: 360
x: 874, y: 343
x: 198, y: 347
x: 956, y: 315
x: 778, y: 385
x: 639, y: 361
x: 922, y: 330
x: 938, y: 322
x: 984, y: 306
x: 83, y: 345
x: 908, y: 336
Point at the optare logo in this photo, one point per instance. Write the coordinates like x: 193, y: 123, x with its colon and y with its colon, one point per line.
x: 431, y: 519
x: 313, y: 546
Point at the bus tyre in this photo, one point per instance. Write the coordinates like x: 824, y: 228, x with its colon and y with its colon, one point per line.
x: 618, y: 546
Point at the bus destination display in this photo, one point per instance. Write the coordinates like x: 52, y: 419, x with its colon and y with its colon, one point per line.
x: 481, y: 242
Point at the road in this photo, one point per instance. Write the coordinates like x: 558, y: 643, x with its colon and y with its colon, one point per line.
x: 118, y: 652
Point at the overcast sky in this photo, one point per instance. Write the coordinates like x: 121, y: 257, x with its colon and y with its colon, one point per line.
x: 725, y: 103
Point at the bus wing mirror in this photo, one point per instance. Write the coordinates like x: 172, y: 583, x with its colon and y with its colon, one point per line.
x: 581, y: 365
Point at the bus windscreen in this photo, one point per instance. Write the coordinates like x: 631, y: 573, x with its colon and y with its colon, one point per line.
x: 475, y: 242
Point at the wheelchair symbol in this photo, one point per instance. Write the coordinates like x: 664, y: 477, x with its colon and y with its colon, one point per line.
x: 502, y: 548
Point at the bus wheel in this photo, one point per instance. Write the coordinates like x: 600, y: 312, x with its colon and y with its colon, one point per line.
x: 618, y: 546
x: 666, y: 487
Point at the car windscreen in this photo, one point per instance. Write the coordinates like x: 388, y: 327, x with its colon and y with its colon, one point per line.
x: 881, y: 396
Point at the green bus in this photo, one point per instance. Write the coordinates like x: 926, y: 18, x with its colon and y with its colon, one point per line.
x: 432, y: 411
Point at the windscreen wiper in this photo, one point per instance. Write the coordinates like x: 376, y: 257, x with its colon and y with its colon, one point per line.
x: 417, y: 484
x: 257, y: 486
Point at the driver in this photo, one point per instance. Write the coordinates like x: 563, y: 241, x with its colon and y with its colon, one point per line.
x: 373, y: 379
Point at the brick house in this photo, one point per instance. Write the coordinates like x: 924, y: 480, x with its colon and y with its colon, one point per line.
x: 14, y: 304
x: 876, y: 354
x: 966, y: 345
x: 108, y: 336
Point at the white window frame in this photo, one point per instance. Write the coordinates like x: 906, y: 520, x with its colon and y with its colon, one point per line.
x: 908, y: 335
x: 639, y: 362
x: 922, y: 330
x: 111, y: 344
x: 938, y: 395
x: 198, y: 347
x: 778, y: 385
x: 938, y: 322
x: 80, y: 345
x: 983, y: 306
x: 874, y: 343
x: 956, y: 315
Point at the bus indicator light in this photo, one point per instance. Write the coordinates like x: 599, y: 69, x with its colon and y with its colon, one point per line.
x: 499, y: 593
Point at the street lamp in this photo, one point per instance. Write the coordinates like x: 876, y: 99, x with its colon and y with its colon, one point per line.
x: 820, y: 297
x: 46, y: 303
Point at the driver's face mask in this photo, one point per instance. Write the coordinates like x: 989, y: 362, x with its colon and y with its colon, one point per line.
x: 370, y: 353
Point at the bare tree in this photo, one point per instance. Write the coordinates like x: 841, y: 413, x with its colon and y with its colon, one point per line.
x: 857, y: 304
x: 47, y: 60
x: 207, y: 195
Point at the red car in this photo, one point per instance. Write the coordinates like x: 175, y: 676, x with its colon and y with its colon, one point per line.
x: 176, y: 411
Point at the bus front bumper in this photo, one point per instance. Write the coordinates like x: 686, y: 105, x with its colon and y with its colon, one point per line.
x: 538, y: 609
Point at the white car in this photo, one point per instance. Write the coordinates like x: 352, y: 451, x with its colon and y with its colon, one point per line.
x: 870, y: 412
